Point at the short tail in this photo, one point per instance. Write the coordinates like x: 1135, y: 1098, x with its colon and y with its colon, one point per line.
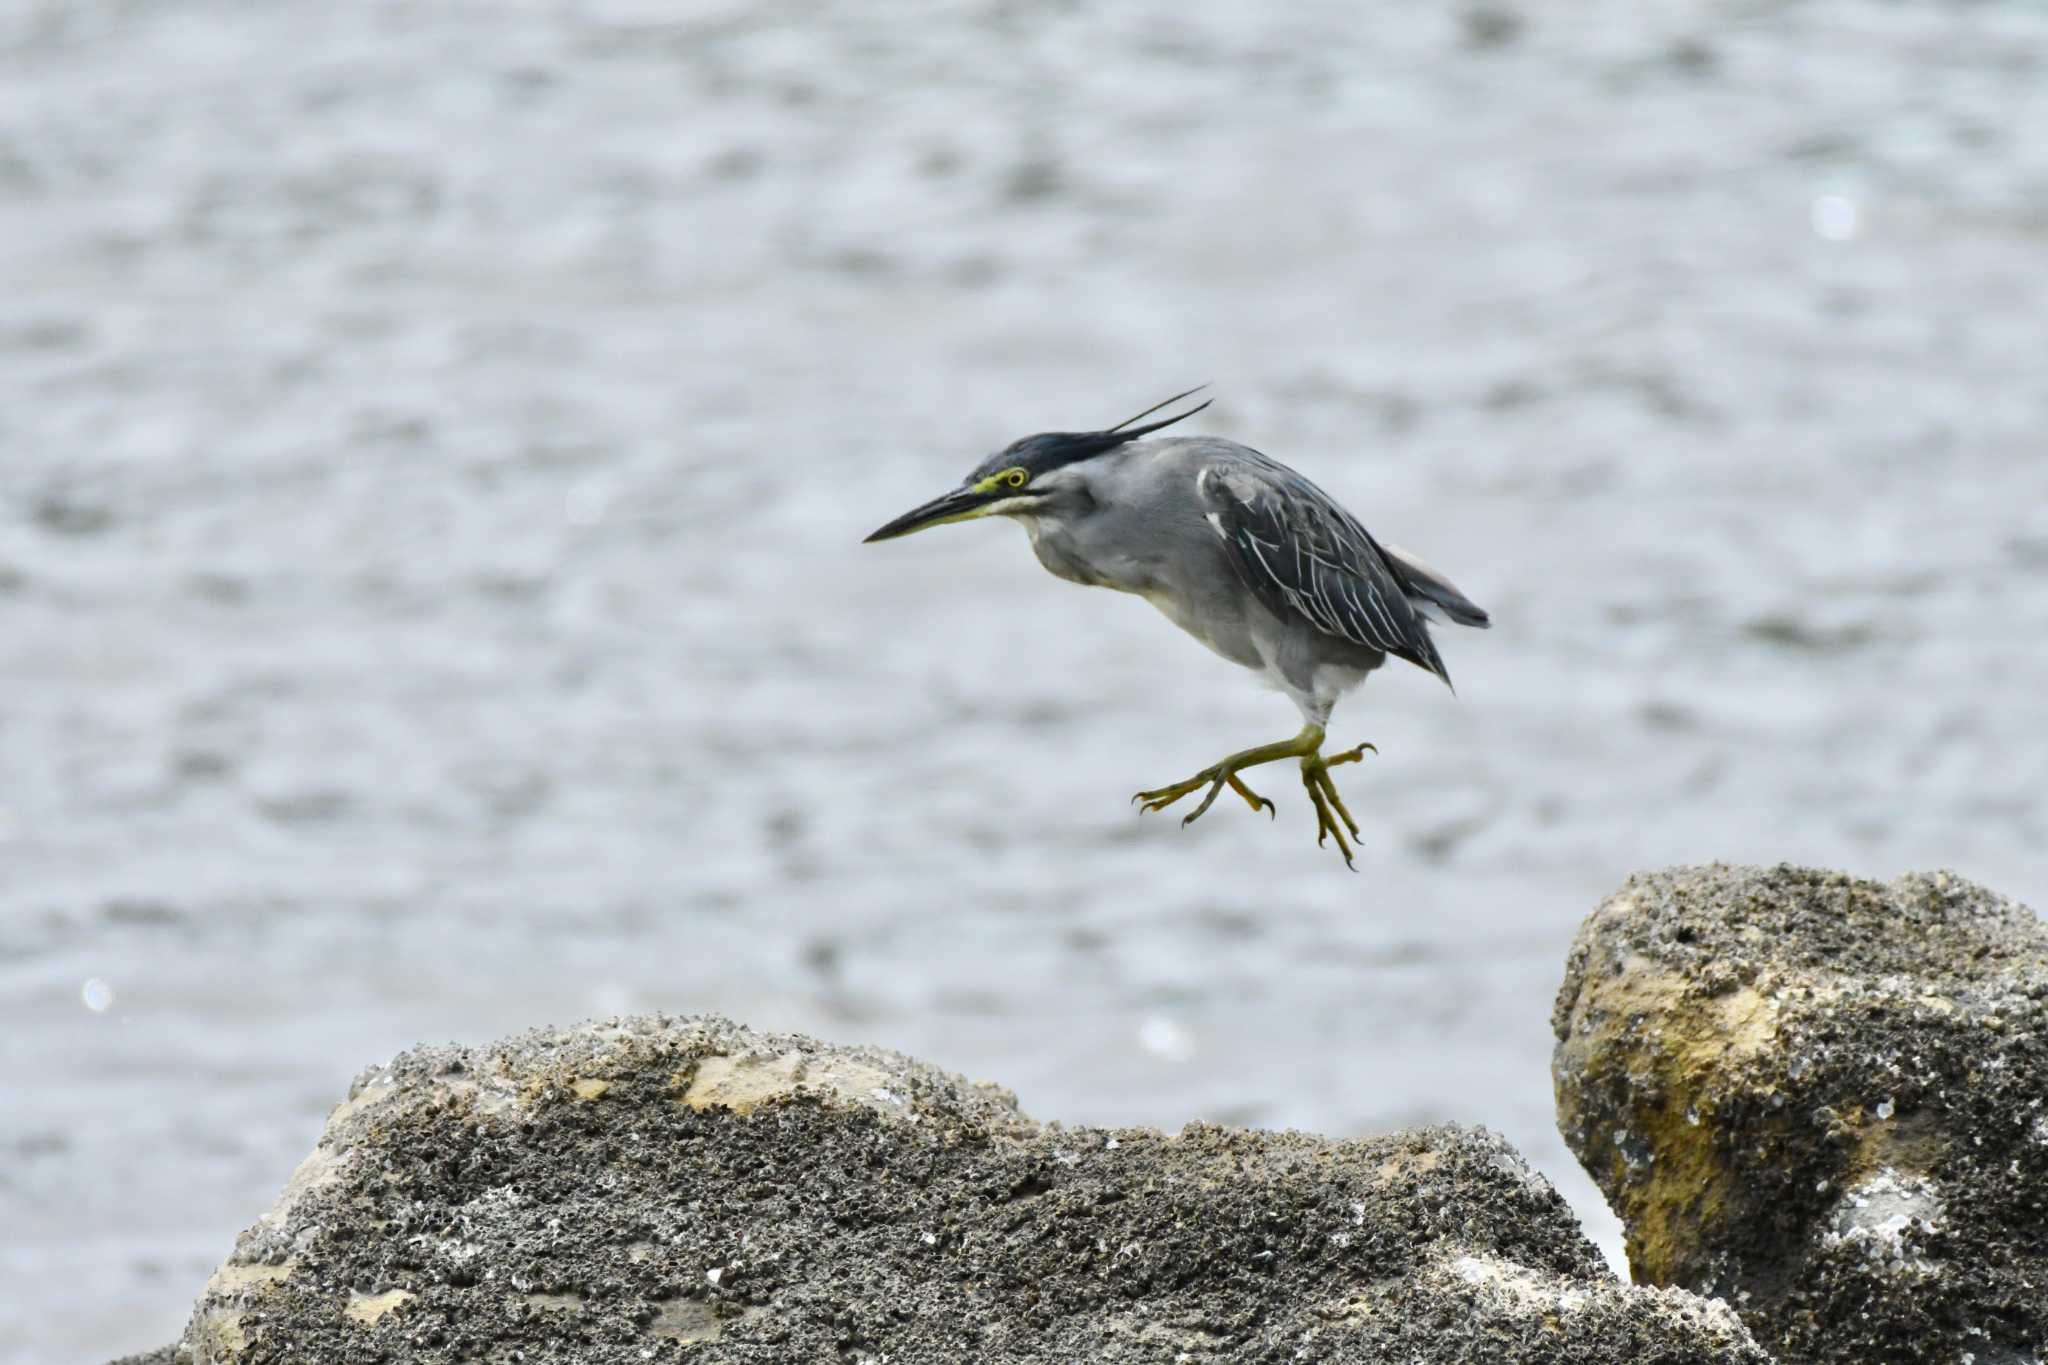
x: 1431, y: 594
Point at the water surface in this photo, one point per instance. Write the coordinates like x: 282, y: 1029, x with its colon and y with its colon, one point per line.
x: 435, y: 438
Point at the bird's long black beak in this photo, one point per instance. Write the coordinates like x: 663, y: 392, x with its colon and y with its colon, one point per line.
x: 961, y: 504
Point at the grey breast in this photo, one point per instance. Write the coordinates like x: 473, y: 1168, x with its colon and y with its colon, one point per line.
x: 1142, y: 532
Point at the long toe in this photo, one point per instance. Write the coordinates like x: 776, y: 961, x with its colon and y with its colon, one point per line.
x: 1326, y: 822
x: 1209, y: 800
x: 1329, y: 786
x: 1215, y: 779
x: 1251, y: 798
x: 1351, y: 755
x: 1147, y: 802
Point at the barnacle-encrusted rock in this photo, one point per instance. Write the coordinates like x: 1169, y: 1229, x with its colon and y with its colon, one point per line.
x: 1825, y: 1099
x: 658, y: 1189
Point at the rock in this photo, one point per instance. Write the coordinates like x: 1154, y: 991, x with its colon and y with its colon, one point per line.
x: 658, y: 1189
x: 1824, y: 1099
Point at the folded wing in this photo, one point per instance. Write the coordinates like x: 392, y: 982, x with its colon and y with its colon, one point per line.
x: 1304, y: 555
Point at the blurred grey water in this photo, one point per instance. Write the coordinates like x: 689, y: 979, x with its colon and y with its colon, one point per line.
x: 434, y: 440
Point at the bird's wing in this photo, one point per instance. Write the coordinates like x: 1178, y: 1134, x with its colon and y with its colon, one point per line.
x: 1304, y: 555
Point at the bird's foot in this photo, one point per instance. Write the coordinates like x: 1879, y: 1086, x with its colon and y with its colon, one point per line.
x: 1216, y: 778
x: 1322, y: 794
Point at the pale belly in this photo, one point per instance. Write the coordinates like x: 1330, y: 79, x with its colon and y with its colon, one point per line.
x: 1261, y: 644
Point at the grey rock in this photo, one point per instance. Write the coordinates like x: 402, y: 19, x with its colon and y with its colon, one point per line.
x: 658, y: 1189
x: 1824, y: 1099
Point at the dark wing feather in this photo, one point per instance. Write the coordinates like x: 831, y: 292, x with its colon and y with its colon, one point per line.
x: 1304, y: 555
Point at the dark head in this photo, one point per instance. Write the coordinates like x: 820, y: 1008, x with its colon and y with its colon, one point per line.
x: 1011, y: 481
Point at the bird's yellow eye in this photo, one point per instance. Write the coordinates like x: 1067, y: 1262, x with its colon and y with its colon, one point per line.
x: 1016, y: 478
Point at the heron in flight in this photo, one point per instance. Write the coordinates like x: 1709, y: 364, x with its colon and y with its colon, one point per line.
x: 1236, y: 549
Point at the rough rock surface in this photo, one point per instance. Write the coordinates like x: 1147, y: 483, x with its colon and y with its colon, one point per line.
x: 1825, y: 1099
x: 683, y: 1189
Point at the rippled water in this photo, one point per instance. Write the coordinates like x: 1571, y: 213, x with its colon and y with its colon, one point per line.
x: 434, y: 440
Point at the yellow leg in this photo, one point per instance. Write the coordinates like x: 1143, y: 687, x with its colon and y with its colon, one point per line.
x: 1315, y: 776
x: 1219, y: 775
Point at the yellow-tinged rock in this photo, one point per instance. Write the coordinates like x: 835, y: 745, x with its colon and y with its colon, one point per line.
x: 368, y: 1308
